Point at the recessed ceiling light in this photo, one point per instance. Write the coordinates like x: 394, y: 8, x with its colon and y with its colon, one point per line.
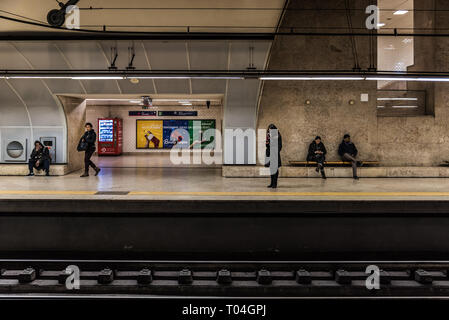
x: 400, y: 12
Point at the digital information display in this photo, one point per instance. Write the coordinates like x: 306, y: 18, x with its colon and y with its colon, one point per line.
x: 106, y: 130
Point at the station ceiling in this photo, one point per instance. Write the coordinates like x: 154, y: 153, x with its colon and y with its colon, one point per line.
x: 153, y: 15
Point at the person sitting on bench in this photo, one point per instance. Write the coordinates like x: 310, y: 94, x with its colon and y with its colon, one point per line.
x: 317, y: 153
x: 348, y: 152
x: 39, y: 159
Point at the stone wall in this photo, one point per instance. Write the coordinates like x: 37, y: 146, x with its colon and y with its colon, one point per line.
x: 395, y: 141
x: 75, y: 112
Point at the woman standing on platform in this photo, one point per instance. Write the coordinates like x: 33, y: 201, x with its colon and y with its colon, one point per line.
x: 273, y: 154
x: 87, y: 144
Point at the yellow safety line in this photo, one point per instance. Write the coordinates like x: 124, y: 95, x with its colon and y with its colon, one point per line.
x: 289, y: 194
x: 46, y: 192
x: 243, y: 193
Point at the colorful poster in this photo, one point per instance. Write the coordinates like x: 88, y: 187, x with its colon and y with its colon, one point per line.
x: 200, y: 135
x: 149, y: 134
x: 158, y: 134
x: 176, y: 132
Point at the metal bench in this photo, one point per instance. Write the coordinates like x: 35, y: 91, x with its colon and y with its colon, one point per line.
x: 332, y: 163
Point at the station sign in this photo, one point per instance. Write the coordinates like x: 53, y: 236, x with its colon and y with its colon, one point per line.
x: 141, y: 113
x: 177, y: 113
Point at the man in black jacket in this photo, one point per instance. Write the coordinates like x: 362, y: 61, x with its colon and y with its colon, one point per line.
x: 348, y: 152
x: 317, y: 153
x: 89, y: 137
x: 39, y: 159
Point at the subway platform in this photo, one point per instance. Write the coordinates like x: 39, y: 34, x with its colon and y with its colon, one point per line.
x: 195, y: 213
x: 171, y: 183
x: 173, y: 232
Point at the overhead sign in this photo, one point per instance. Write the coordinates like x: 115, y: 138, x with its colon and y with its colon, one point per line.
x: 141, y: 113
x: 177, y: 113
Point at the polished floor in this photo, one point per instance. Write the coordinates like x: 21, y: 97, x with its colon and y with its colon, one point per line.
x: 207, y: 183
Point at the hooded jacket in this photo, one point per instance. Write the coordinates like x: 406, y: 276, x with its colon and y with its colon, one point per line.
x: 41, y: 155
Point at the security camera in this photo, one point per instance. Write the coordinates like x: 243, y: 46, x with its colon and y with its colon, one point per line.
x: 56, y: 17
x: 147, y: 101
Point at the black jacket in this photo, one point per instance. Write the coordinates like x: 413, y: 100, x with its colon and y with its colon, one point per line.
x: 311, y: 156
x: 41, y: 155
x: 347, y: 148
x: 91, y: 138
x: 267, y: 152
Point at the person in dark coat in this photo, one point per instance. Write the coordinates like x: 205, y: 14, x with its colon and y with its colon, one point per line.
x: 348, y: 152
x: 89, y: 137
x: 274, y: 139
x: 317, y: 153
x: 39, y: 159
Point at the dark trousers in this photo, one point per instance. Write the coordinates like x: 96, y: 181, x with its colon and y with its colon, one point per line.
x: 353, y: 160
x: 319, y: 162
x: 274, y: 179
x: 87, y: 161
x: 43, y: 164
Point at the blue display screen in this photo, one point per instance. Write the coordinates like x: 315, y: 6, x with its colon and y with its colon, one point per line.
x: 106, y: 130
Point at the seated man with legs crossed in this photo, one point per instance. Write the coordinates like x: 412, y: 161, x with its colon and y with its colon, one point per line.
x: 348, y: 152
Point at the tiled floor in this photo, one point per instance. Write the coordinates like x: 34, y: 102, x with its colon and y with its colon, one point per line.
x: 207, y: 183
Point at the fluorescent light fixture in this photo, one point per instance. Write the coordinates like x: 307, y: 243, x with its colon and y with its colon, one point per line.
x: 135, y: 101
x: 400, y: 12
x: 408, y: 79
x: 380, y: 107
x: 380, y: 25
x: 312, y: 78
x: 188, y: 77
x: 405, y: 107
x: 37, y: 77
x: 397, y: 99
x: 98, y: 78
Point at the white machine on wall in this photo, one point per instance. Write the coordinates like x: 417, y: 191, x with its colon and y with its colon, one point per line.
x: 15, y: 150
x: 50, y: 143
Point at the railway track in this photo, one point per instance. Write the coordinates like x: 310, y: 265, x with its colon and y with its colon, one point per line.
x: 189, y: 279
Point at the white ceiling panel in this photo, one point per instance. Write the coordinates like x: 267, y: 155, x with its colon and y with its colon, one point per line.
x: 167, y: 55
x: 208, y: 55
x: 208, y: 86
x: 10, y: 58
x: 12, y: 110
x: 143, y: 87
x: 32, y: 91
x: 240, y: 54
x: 173, y: 86
x: 42, y: 55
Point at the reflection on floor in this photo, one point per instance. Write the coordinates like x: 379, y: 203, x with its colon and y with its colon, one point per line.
x: 207, y: 183
x: 147, y: 160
